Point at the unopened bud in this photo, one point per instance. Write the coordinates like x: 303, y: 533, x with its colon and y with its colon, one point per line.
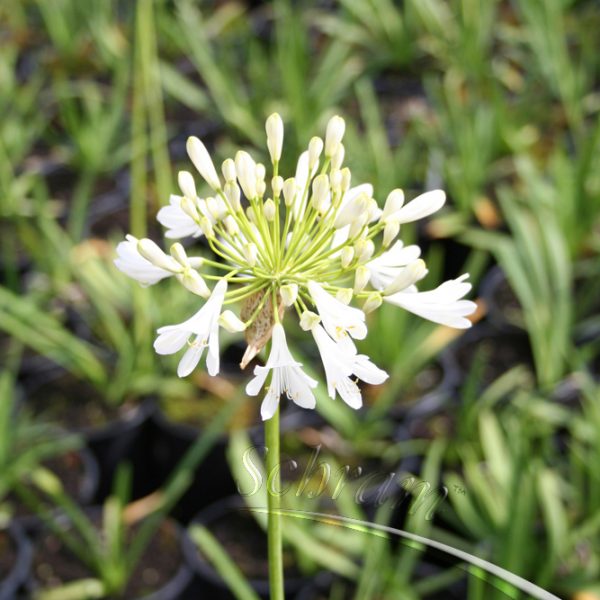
x: 289, y: 293
x: 320, y: 189
x: 361, y: 278
x: 189, y: 208
x: 289, y: 191
x: 390, y: 232
x: 193, y: 281
x: 245, y: 168
x: 231, y: 225
x: 186, y: 184
x: 334, y: 135
x: 346, y: 255
x: 277, y: 185
x: 393, y: 203
x: 216, y: 208
x: 346, y: 178
x: 335, y: 178
x: 408, y: 276
x: 374, y: 301
x: 344, y: 295
x: 261, y: 188
x: 364, y: 250
x: 153, y: 254
x: 231, y: 322
x: 315, y: 147
x: 228, y: 170
x: 260, y: 171
x: 309, y: 320
x: 269, y: 209
x: 338, y: 158
x: 274, y: 128
x: 203, y: 162
x: 178, y: 253
x: 232, y: 193
x: 207, y: 228
x: 357, y: 225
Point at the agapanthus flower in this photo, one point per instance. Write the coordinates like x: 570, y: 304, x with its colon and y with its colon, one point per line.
x: 311, y: 244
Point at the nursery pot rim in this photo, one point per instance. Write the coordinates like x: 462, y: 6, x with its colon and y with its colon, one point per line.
x: 22, y: 566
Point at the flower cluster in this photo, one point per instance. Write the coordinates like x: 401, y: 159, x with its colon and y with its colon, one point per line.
x: 307, y: 244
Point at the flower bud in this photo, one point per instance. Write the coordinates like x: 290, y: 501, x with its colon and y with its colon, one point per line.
x: 357, y: 225
x: 260, y: 171
x: 361, y: 278
x: 309, y: 320
x: 202, y: 161
x: 186, y: 184
x: 374, y: 301
x: 231, y: 322
x: 178, y: 253
x: 193, y: 281
x: 289, y: 293
x: 346, y: 178
x: 231, y: 225
x: 393, y: 203
x: 153, y: 254
x: 289, y: 191
x: 251, y: 253
x: 334, y: 135
x: 245, y: 168
x: 189, y: 208
x: 277, y: 185
x: 274, y: 128
x: 228, y: 170
x: 364, y: 250
x: 216, y: 208
x: 351, y: 211
x: 408, y: 276
x: 335, y: 177
x: 250, y: 214
x: 346, y: 255
x: 207, y: 228
x: 344, y: 295
x: 261, y: 188
x: 338, y: 158
x: 315, y: 147
x: 269, y: 209
x: 232, y: 193
x: 320, y: 190
x: 390, y: 232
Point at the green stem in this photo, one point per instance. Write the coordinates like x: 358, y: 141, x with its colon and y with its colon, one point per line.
x: 273, y: 501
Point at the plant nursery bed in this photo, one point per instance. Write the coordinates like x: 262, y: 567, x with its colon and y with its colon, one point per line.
x: 55, y: 565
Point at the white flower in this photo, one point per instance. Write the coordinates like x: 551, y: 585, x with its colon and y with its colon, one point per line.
x: 442, y: 305
x: 205, y: 326
x: 419, y: 208
x: 334, y: 134
x: 300, y: 180
x: 339, y: 320
x: 179, y: 224
x: 133, y: 264
x: 340, y: 364
x: 287, y: 377
x: 385, y: 268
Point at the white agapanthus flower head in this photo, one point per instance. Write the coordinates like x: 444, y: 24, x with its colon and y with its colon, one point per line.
x: 309, y: 244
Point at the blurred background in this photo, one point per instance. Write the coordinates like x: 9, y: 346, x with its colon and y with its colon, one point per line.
x: 494, y: 101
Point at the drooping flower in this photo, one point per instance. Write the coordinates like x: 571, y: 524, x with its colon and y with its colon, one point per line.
x: 132, y: 263
x: 340, y: 363
x: 308, y: 243
x: 287, y: 378
x: 204, y: 327
x: 444, y: 304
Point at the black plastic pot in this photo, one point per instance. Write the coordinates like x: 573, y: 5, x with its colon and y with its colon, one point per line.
x: 127, y: 439
x: 208, y: 583
x: 22, y: 564
x: 176, y: 588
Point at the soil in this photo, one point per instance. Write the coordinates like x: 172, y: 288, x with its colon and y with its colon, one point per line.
x: 70, y: 470
x: 246, y: 544
x: 54, y: 564
x: 425, y: 381
x: 8, y: 554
